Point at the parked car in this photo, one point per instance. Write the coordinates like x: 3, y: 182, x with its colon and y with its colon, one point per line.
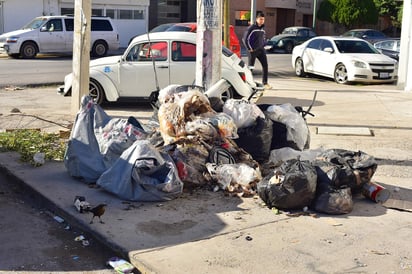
x: 172, y: 55
x: 159, y: 28
x: 234, y: 43
x: 390, y: 47
x: 369, y: 35
x: 344, y: 59
x: 54, y: 34
x: 289, y: 38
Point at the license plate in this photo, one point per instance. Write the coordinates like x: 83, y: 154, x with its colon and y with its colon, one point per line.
x: 384, y: 75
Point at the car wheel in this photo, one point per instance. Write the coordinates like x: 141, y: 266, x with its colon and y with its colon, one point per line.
x: 96, y: 92
x: 299, y: 69
x: 99, y: 49
x: 28, y: 50
x: 289, y: 47
x: 341, y: 74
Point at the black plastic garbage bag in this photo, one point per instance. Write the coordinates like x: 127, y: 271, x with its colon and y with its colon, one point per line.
x: 256, y: 139
x: 339, y: 168
x: 334, y: 201
x: 291, y: 186
x: 143, y: 173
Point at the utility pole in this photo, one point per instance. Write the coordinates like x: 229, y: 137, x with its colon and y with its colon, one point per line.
x: 315, y: 7
x: 208, y: 42
x: 81, y: 52
x: 405, y: 56
x: 226, y: 22
x: 252, y: 12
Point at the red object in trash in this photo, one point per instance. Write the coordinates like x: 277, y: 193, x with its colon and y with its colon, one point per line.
x: 375, y: 192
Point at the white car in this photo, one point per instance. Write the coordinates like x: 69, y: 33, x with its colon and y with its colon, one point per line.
x: 172, y: 55
x: 344, y: 59
x: 54, y: 34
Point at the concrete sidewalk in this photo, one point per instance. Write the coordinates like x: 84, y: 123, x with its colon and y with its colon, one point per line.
x: 207, y: 232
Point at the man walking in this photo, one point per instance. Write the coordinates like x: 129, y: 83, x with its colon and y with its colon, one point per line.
x: 255, y: 40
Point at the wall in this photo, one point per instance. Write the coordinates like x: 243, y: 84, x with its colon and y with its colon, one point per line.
x: 15, y: 16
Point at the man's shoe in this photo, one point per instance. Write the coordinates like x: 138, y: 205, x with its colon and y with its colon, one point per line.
x: 267, y: 86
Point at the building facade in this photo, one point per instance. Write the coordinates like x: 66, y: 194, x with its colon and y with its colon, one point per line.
x: 130, y: 16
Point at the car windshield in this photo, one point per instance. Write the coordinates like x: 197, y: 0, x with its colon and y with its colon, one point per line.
x: 390, y: 45
x: 289, y: 31
x: 179, y: 28
x: 35, y: 23
x: 353, y: 34
x: 351, y: 46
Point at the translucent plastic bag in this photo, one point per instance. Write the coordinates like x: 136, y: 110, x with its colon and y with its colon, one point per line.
x: 244, y: 113
x: 235, y: 178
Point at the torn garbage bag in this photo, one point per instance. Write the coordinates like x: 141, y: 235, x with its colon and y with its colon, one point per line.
x: 97, y: 141
x: 340, y: 173
x: 83, y: 158
x: 289, y: 127
x: 143, y: 173
x: 290, y: 186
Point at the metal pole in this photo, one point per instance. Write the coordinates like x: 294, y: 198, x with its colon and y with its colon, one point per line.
x: 314, y: 14
x: 253, y: 12
x: 226, y: 22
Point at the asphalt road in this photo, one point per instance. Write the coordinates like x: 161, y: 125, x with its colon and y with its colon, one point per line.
x: 33, y: 241
x: 51, y: 69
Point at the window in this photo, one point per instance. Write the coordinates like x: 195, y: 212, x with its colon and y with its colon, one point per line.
x: 314, y: 44
x: 101, y: 25
x: 69, y: 23
x: 325, y: 44
x: 183, y: 52
x: 54, y: 25
x: 242, y: 18
x: 111, y: 13
x: 146, y: 52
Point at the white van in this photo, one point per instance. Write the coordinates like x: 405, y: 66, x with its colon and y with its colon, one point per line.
x: 54, y: 34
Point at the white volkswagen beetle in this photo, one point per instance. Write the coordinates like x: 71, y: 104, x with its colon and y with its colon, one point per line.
x: 153, y: 61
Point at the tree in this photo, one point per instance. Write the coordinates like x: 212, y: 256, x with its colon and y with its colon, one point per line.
x: 349, y: 13
x: 391, y: 9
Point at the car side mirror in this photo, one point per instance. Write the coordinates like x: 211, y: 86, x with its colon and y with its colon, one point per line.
x: 44, y: 28
x: 328, y: 49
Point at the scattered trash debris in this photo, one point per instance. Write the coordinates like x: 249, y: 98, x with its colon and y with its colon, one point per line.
x: 38, y: 158
x: 13, y: 88
x: 79, y: 238
x: 58, y: 219
x: 243, y: 149
x: 120, y: 265
x: 376, y: 192
x: 81, y: 204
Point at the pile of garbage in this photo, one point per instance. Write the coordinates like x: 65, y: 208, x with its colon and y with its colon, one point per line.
x: 193, y: 141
